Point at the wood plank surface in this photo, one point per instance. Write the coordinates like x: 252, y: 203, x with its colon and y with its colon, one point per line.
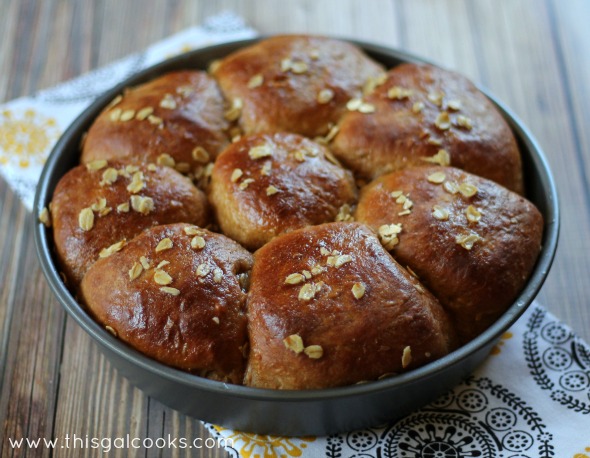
x: 532, y: 54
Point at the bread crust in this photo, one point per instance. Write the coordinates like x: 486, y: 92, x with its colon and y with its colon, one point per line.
x: 291, y: 71
x: 202, y: 329
x: 475, y: 285
x: 403, y: 130
x: 268, y: 184
x: 361, y: 338
x: 187, y: 113
x: 173, y: 198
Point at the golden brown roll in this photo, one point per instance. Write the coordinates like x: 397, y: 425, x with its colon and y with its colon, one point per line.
x: 176, y: 293
x: 328, y: 306
x: 423, y: 114
x: 293, y: 83
x: 98, y: 205
x: 470, y: 241
x: 267, y: 184
x: 175, y: 120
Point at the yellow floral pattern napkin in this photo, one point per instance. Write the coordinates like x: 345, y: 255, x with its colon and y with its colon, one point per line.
x: 30, y: 126
x: 531, y: 398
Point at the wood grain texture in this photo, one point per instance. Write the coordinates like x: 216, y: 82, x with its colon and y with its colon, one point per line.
x: 532, y: 54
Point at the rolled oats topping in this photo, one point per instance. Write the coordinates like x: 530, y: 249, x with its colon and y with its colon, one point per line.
x: 200, y: 154
x: 436, y: 98
x: 109, y: 176
x: 115, y: 114
x: 198, y: 242
x: 161, y: 277
x: 135, y: 271
x: 166, y: 160
x: 144, y: 262
x: 342, y: 259
x: 164, y: 244
x: 127, y: 115
x: 465, y: 122
x: 314, y: 351
x: 294, y: 342
x: 436, y: 177
x: 142, y: 204
x: 454, y: 105
x: 440, y: 213
x: 399, y: 93
x: 44, y: 217
x: 442, y: 157
x: 106, y: 252
x: 123, y: 208
x: 467, y: 189
x: 203, y: 270
x: 192, y: 230
x: 358, y: 290
x: 388, y: 235
x: 234, y: 112
x: 265, y: 170
x: 344, y: 213
x: 245, y: 183
x: 467, y: 240
x: 236, y: 175
x: 260, y: 151
x: 144, y: 113
x: 443, y: 121
x: 406, y: 357
x: 255, y: 81
x: 307, y: 292
x: 217, y: 275
x: 96, y: 165
x: 169, y: 290
x: 417, y: 107
x: 473, y: 214
x: 137, y: 183
x: 452, y: 187
x: 168, y: 102
x: 86, y: 219
x: 162, y: 264
x: 325, y: 96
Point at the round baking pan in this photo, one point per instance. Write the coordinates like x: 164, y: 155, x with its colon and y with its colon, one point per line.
x: 315, y: 412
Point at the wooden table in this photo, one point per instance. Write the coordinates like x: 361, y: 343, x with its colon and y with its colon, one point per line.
x: 532, y: 54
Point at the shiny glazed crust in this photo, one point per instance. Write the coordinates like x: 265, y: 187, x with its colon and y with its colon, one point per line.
x: 410, y: 125
x: 475, y: 250
x: 335, y: 337
x: 185, y: 307
x: 436, y: 256
x: 279, y: 81
x: 268, y: 184
x: 119, y: 210
x: 168, y: 118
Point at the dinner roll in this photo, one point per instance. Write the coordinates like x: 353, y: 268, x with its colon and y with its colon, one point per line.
x: 267, y: 184
x: 470, y: 241
x: 423, y: 114
x: 98, y: 205
x: 293, y: 83
x: 175, y: 120
x: 177, y: 294
x: 328, y: 306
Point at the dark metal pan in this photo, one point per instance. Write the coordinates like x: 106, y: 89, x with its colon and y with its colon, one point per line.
x: 316, y: 412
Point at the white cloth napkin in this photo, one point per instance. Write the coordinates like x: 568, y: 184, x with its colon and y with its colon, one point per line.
x: 531, y: 397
